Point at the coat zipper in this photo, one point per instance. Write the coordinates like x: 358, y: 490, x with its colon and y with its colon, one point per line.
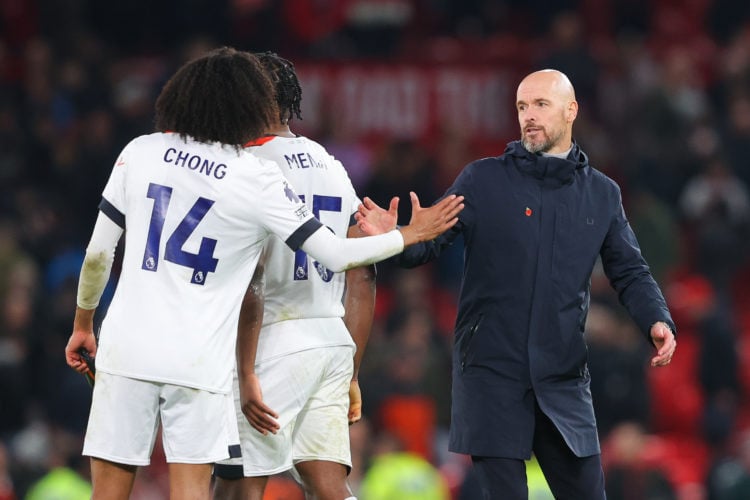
x: 467, y: 343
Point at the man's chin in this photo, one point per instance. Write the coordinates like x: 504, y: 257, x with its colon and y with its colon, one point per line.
x: 533, y: 147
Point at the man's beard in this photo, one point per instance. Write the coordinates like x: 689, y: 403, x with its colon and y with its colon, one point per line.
x: 542, y: 146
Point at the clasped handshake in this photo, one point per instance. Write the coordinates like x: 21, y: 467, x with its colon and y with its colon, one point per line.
x: 426, y: 223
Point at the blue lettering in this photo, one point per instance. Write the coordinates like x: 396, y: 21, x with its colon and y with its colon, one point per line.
x: 220, y: 169
x: 166, y: 154
x: 303, y: 162
x: 193, y: 165
x: 207, y: 167
x: 314, y: 162
x: 181, y: 157
x: 291, y: 160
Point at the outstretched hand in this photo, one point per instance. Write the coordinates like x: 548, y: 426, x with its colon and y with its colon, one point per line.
x: 428, y: 223
x: 663, y: 339
x: 261, y: 417
x: 372, y: 219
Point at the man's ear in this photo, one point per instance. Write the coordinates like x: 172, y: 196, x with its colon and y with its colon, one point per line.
x: 572, y: 112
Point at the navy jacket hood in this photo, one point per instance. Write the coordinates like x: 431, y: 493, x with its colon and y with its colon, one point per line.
x: 552, y: 170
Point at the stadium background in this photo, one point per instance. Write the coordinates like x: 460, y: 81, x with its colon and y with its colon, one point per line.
x: 405, y: 93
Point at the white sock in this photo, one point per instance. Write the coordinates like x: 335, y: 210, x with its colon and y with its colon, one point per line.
x: 350, y: 498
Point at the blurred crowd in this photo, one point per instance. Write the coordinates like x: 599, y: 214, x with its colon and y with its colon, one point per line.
x: 664, y: 93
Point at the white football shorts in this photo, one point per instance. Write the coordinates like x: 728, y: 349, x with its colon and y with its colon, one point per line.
x: 309, y: 390
x: 125, y: 415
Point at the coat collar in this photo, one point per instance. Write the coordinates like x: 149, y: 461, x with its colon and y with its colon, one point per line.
x: 549, y: 169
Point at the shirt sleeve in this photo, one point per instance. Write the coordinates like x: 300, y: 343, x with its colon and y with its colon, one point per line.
x: 113, y: 196
x: 282, y: 212
x: 97, y: 264
x: 340, y: 254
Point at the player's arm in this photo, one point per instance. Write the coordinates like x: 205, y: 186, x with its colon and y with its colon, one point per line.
x: 97, y: 265
x: 373, y: 219
x: 260, y: 416
x: 359, y: 307
x: 426, y: 224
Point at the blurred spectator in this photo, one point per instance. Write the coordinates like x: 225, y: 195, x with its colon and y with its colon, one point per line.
x: 360, y: 441
x: 729, y: 477
x: 395, y: 473
x: 658, y: 231
x: 376, y: 27
x: 618, y: 358
x: 716, y: 193
x: 354, y: 154
x: 628, y: 75
x: 400, y: 166
x: 18, y: 288
x: 67, y: 476
x: 716, y: 205
x: 570, y: 53
x: 737, y: 136
x: 407, y: 382
x: 6, y: 482
x: 718, y: 366
x: 630, y: 474
x: 727, y: 17
x: 665, y: 119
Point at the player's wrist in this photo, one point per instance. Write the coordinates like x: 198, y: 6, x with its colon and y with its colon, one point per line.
x: 409, y: 235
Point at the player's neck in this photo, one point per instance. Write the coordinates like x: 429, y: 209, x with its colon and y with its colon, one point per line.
x: 282, y: 130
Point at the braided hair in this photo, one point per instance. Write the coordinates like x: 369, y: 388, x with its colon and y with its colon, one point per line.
x: 288, y: 91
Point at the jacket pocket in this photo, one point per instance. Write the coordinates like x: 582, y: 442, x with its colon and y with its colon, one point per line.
x: 465, y: 342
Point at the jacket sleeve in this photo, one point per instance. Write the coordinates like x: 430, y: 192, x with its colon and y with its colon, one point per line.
x: 422, y: 253
x: 427, y: 251
x: 630, y: 275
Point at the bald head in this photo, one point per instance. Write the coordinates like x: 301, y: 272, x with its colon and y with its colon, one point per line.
x: 550, y: 80
x: 546, y: 105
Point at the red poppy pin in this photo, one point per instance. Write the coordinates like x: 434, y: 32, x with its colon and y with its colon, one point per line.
x: 528, y: 212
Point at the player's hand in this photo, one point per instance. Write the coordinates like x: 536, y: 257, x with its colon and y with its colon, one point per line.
x: 428, y: 223
x: 80, y: 339
x: 663, y: 339
x: 261, y: 417
x: 355, y: 402
x: 373, y: 219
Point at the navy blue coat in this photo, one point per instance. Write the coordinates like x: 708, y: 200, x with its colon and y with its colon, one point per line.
x: 533, y: 228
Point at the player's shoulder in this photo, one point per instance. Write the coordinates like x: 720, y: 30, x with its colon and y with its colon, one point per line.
x: 280, y: 143
x: 146, y: 141
x: 161, y: 141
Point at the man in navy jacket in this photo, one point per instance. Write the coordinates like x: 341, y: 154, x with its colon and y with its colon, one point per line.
x: 535, y: 220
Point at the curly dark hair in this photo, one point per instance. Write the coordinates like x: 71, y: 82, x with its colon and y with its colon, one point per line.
x: 284, y: 77
x: 223, y: 96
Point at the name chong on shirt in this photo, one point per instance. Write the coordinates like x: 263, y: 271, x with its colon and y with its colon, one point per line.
x: 195, y: 163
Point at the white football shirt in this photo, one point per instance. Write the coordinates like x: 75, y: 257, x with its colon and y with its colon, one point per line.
x: 195, y: 218
x: 296, y: 286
